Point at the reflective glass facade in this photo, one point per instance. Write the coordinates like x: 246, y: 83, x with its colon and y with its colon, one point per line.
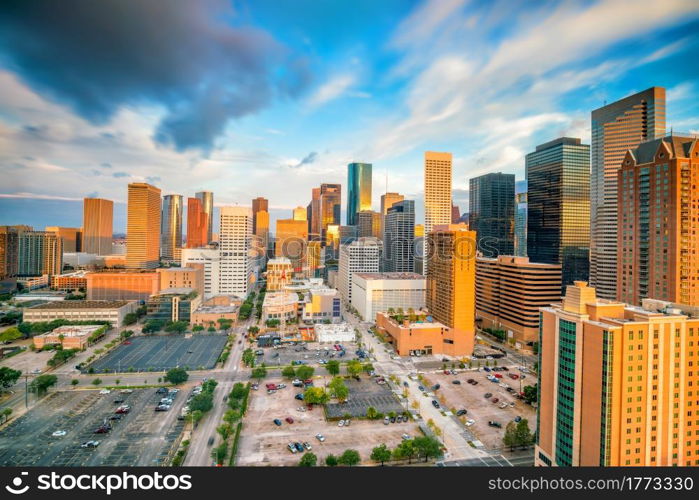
x: 358, y: 190
x: 492, y: 213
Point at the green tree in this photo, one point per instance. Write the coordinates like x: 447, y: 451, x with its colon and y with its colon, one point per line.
x: 153, y: 325
x: 176, y: 376
x: 195, y: 415
x: 315, y: 395
x: 381, y: 454
x: 259, y: 373
x: 11, y: 334
x: 338, y: 389
x: 354, y: 368
x: 201, y: 402
x: 427, y: 447
x: 530, y: 393
x: 349, y: 458
x: 97, y: 381
x: 248, y: 357
x: 372, y: 413
x: 219, y: 453
x: 6, y: 412
x: 75, y: 381
x: 406, y: 449
x: 289, y: 372
x: 368, y: 368
x: 8, y: 377
x: 224, y: 430
x: 197, y: 328
x: 176, y: 327
x: 333, y: 367
x: 304, y: 372
x: 510, y: 436
x: 308, y: 460
x: 331, y: 460
x: 130, y: 319
x: 41, y: 384
x: 523, y: 436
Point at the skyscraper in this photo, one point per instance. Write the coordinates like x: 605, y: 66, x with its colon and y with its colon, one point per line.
x: 616, y: 128
x: 360, y: 256
x: 143, y: 226
x: 291, y: 238
x: 558, y: 199
x: 98, y: 216
x: 39, y: 253
x: 262, y: 232
x: 491, y: 200
x: 368, y: 224
x: 521, y: 216
x: 399, y: 238
x: 451, y: 287
x: 617, y: 384
x: 358, y: 190
x: 299, y: 213
x: 9, y: 257
x: 658, y: 216
x: 330, y: 200
x: 455, y: 214
x: 234, y: 244
x: 313, y: 215
x: 259, y: 204
x: 71, y: 237
x: 437, y: 192
x: 207, y: 205
x: 171, y: 227
x: 197, y: 225
x: 387, y: 201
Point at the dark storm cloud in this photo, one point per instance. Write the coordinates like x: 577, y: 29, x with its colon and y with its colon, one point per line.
x: 190, y: 57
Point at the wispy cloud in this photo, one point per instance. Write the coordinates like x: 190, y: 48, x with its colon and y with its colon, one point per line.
x: 330, y: 90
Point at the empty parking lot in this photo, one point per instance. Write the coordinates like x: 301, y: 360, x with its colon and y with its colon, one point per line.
x: 142, y: 437
x: 363, y: 394
x: 162, y: 352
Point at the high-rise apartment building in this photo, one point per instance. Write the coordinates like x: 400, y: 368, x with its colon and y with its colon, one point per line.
x: 491, y: 200
x: 558, y: 199
x: 330, y: 203
x: 210, y: 260
x: 98, y: 218
x: 437, y: 192
x: 616, y: 128
x: 358, y: 190
x: 387, y: 201
x: 234, y: 244
x: 521, y: 216
x: 171, y: 227
x: 360, y: 256
x: 39, y: 253
x: 197, y: 225
x: 509, y: 292
x: 259, y: 204
x: 207, y: 206
x: 617, y: 383
x: 71, y: 237
x: 451, y: 291
x: 368, y: 224
x: 313, y: 215
x: 143, y: 226
x: 399, y: 238
x: 9, y: 257
x: 658, y: 214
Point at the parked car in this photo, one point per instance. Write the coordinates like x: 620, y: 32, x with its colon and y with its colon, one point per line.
x: 461, y: 412
x: 307, y: 445
x: 513, y: 376
x: 493, y: 423
x: 299, y: 396
x: 392, y: 420
x: 341, y: 423
x: 210, y: 441
x: 457, y: 382
x: 405, y: 437
x: 488, y: 395
x: 291, y: 447
x: 289, y: 420
x: 435, y: 403
x: 386, y: 420
x: 470, y: 381
x: 486, y: 369
x: 115, y: 417
x: 299, y: 446
x: 90, y: 444
x: 277, y: 422
x: 118, y: 400
x: 320, y: 437
x: 59, y: 433
x: 495, y: 400
x: 518, y: 418
x: 421, y: 388
x: 105, y: 391
x: 470, y: 422
x: 498, y: 375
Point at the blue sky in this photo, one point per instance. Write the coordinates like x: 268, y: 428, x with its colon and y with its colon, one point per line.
x: 271, y: 98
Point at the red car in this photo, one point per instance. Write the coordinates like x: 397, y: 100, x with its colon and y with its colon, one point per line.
x: 127, y: 342
x: 289, y: 420
x: 513, y: 376
x: 447, y: 372
x: 495, y: 400
x: 271, y: 387
x: 497, y: 375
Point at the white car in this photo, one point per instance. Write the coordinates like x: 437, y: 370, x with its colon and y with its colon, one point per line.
x: 470, y: 422
x: 341, y: 423
x: 405, y: 437
x: 320, y: 437
x: 59, y: 433
x: 105, y: 391
x: 36, y: 371
x: 126, y: 391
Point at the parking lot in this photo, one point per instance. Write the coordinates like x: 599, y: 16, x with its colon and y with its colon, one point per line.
x: 264, y: 443
x: 310, y: 353
x: 162, y: 352
x: 143, y: 437
x: 480, y: 409
x: 363, y: 394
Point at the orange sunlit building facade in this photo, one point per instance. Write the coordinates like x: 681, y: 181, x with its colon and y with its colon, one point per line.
x: 618, y: 384
x: 197, y: 224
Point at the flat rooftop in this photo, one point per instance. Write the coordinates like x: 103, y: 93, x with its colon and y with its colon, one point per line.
x: 390, y: 276
x: 82, y: 304
x: 72, y: 331
x: 216, y: 309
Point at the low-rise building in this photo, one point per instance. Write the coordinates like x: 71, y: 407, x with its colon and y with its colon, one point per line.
x: 337, y: 333
x: 173, y: 304
x: 378, y: 292
x: 279, y: 273
x: 68, y: 337
x: 122, y: 285
x: 191, y: 276
x: 69, y: 282
x: 81, y: 310
x: 33, y: 282
x: 222, y: 307
x: 418, y: 337
x: 321, y: 304
x: 283, y: 306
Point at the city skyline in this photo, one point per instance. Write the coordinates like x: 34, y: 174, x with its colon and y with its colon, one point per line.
x: 48, y: 131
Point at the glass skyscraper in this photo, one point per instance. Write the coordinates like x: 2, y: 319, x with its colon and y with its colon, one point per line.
x: 492, y: 213
x: 558, y: 199
x: 521, y: 218
x: 399, y: 237
x: 171, y: 226
x: 358, y: 190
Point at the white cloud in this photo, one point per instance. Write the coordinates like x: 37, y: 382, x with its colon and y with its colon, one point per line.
x: 331, y: 90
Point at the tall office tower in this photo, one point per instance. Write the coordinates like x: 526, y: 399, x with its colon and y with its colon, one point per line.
x: 387, y: 201
x: 9, y: 258
x: 171, y: 227
x: 71, y: 237
x: 39, y: 253
x: 207, y: 206
x: 299, y: 213
x: 210, y: 260
x: 399, y: 238
x: 521, y: 215
x: 451, y: 284
x: 617, y: 383
x: 261, y: 242
x: 98, y: 217
x: 314, y: 258
x: 369, y: 224
x: 259, y: 204
x: 291, y: 239
x: 437, y: 192
x: 616, y: 128
x: 358, y: 190
x: 313, y: 215
x: 455, y: 214
x: 143, y: 226
x: 491, y: 200
x: 348, y: 234
x: 234, y: 243
x: 330, y: 200
x: 197, y: 225
x: 658, y: 218
x: 558, y: 203
x: 360, y: 256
